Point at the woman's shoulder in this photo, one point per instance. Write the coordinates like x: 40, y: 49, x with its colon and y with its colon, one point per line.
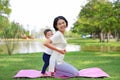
x: 58, y: 33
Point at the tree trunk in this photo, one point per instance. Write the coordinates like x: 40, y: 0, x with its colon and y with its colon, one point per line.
x: 101, y: 36
x: 108, y: 37
x: 117, y: 37
x: 93, y: 36
x: 8, y: 47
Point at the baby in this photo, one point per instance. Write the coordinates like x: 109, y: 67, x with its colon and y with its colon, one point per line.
x: 47, y: 53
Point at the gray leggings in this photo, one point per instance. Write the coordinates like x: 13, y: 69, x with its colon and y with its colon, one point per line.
x: 65, y: 69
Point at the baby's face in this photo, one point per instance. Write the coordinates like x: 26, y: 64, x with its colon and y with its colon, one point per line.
x: 49, y: 34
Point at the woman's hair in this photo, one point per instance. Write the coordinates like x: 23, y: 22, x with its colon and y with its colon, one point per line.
x: 56, y: 20
x: 46, y: 30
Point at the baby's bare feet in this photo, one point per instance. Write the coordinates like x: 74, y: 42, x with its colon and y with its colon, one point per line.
x: 43, y: 74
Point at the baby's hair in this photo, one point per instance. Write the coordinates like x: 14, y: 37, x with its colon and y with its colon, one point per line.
x: 46, y: 30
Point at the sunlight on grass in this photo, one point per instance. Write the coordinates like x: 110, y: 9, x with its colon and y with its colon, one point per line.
x: 115, y: 55
x: 87, y: 62
x: 11, y: 59
x: 92, y: 62
x: 3, y: 65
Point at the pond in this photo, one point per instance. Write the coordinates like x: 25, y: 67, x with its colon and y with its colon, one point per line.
x: 27, y: 46
x: 101, y: 48
x: 33, y: 46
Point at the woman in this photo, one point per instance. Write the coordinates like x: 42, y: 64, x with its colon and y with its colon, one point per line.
x: 58, y: 44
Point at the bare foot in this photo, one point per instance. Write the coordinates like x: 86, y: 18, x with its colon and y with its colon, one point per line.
x: 43, y: 74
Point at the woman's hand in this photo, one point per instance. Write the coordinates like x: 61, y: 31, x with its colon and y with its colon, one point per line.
x: 62, y: 51
x: 51, y: 46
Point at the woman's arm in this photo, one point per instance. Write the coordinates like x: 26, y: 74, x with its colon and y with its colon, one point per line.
x: 48, y: 43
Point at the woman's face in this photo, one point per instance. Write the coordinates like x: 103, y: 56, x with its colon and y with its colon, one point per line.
x: 61, y: 25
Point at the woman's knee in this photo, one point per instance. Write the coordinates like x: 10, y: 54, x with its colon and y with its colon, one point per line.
x: 76, y: 73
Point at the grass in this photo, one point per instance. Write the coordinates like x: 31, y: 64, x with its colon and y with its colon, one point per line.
x: 89, y: 42
x: 107, y: 61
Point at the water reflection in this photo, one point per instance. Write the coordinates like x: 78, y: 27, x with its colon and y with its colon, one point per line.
x: 101, y: 48
x: 29, y: 47
x: 35, y: 46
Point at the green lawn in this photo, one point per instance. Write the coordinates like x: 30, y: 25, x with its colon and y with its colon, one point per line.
x: 107, y: 61
x: 95, y: 42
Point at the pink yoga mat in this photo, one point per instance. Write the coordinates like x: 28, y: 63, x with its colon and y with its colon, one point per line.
x: 93, y: 72
x: 29, y: 74
x: 88, y: 72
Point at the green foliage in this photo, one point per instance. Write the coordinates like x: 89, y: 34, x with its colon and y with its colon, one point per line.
x: 4, y: 7
x: 4, y: 11
x: 13, y: 31
x: 4, y: 22
x: 117, y: 14
x: 98, y: 16
x: 9, y: 31
x: 70, y: 34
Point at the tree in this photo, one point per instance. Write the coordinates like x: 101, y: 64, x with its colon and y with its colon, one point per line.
x: 4, y: 7
x: 11, y: 35
x: 4, y: 12
x: 8, y: 30
x: 116, y: 6
x: 97, y: 17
